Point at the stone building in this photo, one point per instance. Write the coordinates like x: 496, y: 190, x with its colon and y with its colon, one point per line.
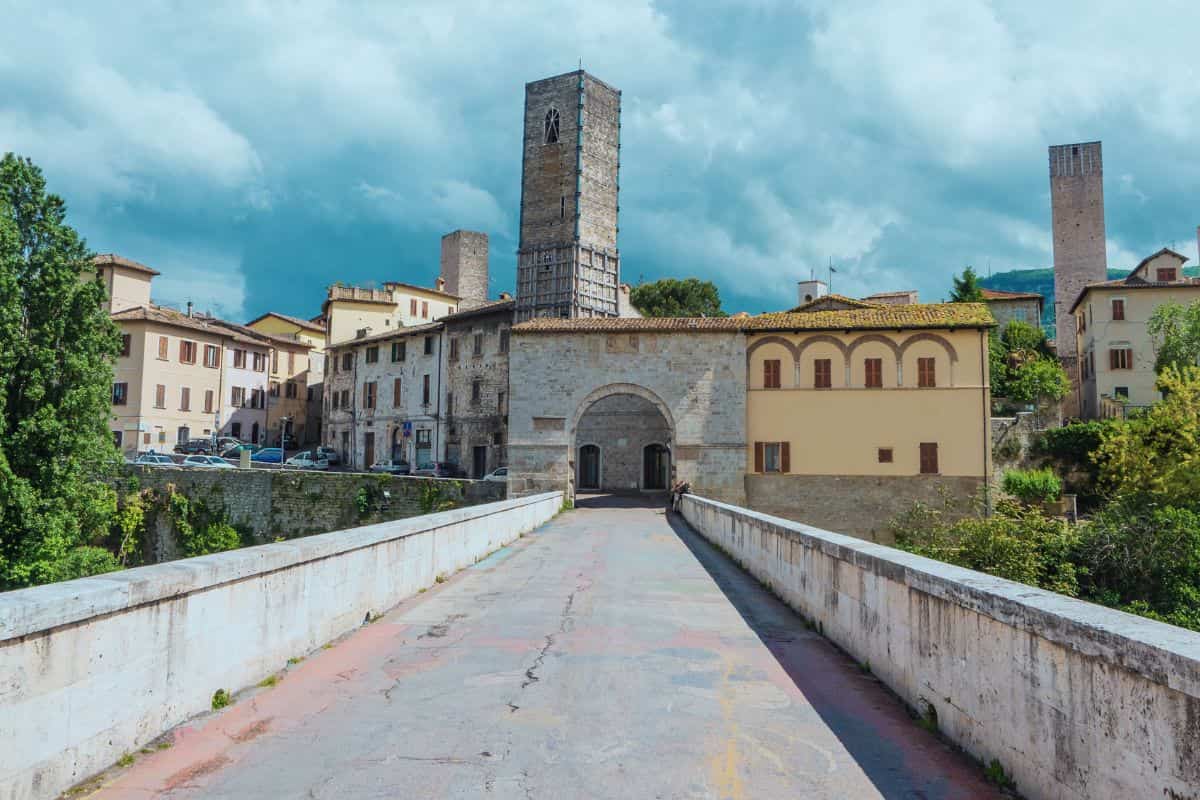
x: 1080, y: 258
x: 1007, y: 307
x: 476, y: 379
x: 383, y: 397
x: 628, y: 404
x: 1117, y: 355
x: 567, y: 259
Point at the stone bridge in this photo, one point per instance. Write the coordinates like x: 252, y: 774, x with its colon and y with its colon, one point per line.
x: 610, y: 651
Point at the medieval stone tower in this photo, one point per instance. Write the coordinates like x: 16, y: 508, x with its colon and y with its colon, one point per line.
x: 1077, y: 219
x: 465, y: 267
x: 567, y: 262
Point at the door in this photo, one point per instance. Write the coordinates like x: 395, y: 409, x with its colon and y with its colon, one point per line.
x: 254, y: 434
x: 479, y: 462
x: 656, y: 462
x: 397, y: 445
x: 589, y: 467
x: 183, y: 434
x: 368, y: 450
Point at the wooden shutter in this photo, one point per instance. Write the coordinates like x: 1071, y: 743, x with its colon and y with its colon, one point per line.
x: 785, y: 457
x: 758, y: 456
x: 396, y: 392
x: 1118, y: 309
x: 929, y: 458
x: 1129, y: 358
x: 1112, y: 359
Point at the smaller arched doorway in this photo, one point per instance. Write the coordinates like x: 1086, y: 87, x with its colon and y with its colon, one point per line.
x: 589, y: 466
x: 656, y: 467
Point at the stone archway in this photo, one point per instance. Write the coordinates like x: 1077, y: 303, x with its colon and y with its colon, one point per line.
x: 614, y: 431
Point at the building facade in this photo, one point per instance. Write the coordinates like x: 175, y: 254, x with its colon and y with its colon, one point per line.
x: 310, y: 335
x: 841, y: 415
x: 1007, y: 307
x: 1077, y: 221
x: 351, y: 312
x: 476, y: 379
x: 854, y: 414
x: 1117, y: 355
x: 567, y: 260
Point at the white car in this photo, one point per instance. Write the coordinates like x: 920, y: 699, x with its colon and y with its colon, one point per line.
x: 154, y: 460
x: 207, y: 462
x: 307, y: 460
x: 498, y: 475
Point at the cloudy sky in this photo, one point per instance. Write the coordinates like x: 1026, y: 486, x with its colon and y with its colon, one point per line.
x: 255, y: 153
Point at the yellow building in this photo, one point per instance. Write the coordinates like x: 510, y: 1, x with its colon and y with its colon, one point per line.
x: 1116, y: 352
x: 351, y: 310
x: 297, y: 375
x: 854, y: 410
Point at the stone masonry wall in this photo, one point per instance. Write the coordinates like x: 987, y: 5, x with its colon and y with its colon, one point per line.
x: 621, y: 426
x: 471, y: 423
x: 697, y: 378
x: 272, y: 504
x: 855, y: 505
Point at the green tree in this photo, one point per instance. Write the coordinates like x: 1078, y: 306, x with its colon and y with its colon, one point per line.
x: 1038, y: 380
x: 669, y: 297
x: 1155, y: 456
x: 966, y: 288
x: 57, y: 348
x: 1175, y: 331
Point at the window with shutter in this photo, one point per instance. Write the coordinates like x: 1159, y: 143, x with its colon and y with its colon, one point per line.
x: 758, y: 456
x: 1118, y: 310
x: 874, y: 373
x: 771, y: 374
x: 926, y: 373
x: 412, y: 307
x: 477, y: 350
x: 885, y: 455
x: 185, y: 399
x: 822, y: 373
x: 160, y: 396
x: 126, y: 344
x: 396, y: 392
x: 1166, y: 275
x: 425, y: 390
x: 208, y: 401
x: 162, y: 348
x: 929, y: 458
x: 785, y: 457
x: 1120, y: 358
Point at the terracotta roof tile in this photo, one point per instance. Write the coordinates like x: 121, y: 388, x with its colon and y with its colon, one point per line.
x: 169, y: 316
x: 998, y: 294
x: 1135, y: 283
x: 121, y: 261
x: 392, y: 333
x: 489, y: 307
x: 835, y: 298
x: 928, y: 315
x: 301, y: 323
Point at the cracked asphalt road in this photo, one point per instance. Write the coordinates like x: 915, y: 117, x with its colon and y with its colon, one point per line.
x: 610, y: 654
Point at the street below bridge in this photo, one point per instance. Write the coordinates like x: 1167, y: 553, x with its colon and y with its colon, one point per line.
x: 612, y: 653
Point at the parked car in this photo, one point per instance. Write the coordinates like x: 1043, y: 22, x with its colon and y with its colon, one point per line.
x: 392, y: 467
x: 268, y: 455
x: 330, y: 454
x: 235, y: 452
x: 206, y: 462
x: 194, y: 446
x: 498, y: 475
x: 226, y: 442
x: 439, y: 469
x: 309, y: 459
x: 154, y: 460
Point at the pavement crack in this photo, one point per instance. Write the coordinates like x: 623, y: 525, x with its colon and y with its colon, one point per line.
x: 531, y: 673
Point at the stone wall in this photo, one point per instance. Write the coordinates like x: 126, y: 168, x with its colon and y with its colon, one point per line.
x: 856, y: 505
x: 1073, y: 700
x: 266, y: 505
x: 473, y: 423
x: 98, y: 667
x: 696, y: 379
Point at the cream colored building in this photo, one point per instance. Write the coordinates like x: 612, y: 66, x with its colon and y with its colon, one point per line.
x: 1116, y: 352
x: 352, y: 312
x: 306, y: 374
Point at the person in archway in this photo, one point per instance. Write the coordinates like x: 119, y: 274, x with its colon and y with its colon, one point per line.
x: 678, y: 490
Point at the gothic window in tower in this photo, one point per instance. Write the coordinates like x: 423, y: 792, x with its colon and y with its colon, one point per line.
x: 551, y: 126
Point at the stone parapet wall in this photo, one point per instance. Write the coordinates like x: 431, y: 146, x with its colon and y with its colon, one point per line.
x: 857, y: 505
x: 1075, y: 701
x: 98, y: 667
x: 269, y: 504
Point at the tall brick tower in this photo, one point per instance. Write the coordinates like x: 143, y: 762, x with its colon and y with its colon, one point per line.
x: 1077, y: 218
x: 465, y: 267
x: 567, y: 262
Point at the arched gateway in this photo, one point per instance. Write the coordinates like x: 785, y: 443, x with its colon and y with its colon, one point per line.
x: 622, y: 441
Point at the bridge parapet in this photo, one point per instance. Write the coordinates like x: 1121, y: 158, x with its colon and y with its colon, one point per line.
x: 94, y: 668
x: 1074, y: 700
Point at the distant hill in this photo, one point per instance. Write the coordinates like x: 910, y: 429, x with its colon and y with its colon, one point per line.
x: 1041, y: 281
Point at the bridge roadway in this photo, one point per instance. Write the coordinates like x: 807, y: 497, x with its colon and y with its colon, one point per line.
x: 610, y: 654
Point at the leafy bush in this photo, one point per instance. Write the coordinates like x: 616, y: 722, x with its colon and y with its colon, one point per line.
x: 1032, y: 486
x: 1038, y: 379
x: 1020, y: 544
x: 1145, y: 557
x: 82, y: 562
x: 1074, y: 443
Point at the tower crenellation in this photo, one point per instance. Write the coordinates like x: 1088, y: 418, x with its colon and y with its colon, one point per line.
x: 567, y: 260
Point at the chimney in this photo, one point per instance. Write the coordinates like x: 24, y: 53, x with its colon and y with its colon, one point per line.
x: 505, y: 296
x: 189, y: 309
x: 440, y: 284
